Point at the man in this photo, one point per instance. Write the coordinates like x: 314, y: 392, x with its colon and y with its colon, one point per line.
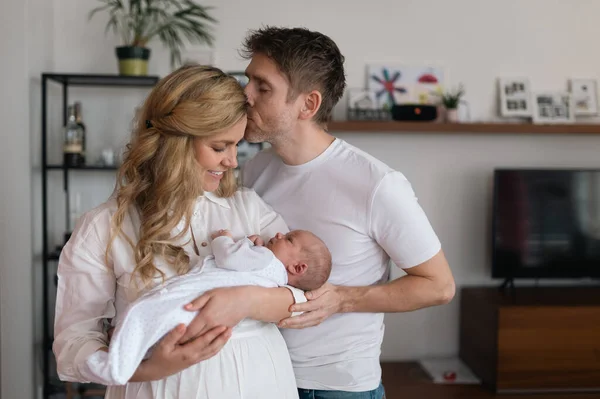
x: 363, y: 210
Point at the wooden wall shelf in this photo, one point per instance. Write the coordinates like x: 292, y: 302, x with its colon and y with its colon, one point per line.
x: 482, y: 128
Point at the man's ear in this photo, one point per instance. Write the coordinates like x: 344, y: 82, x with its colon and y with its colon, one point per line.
x: 311, y: 105
x: 300, y: 268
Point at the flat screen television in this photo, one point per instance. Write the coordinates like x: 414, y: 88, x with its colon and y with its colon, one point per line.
x: 546, y: 223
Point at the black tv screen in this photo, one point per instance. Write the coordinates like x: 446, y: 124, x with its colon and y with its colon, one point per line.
x: 546, y: 223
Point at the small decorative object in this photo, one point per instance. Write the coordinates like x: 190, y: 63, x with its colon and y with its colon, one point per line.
x: 451, y: 100
x: 240, y: 77
x: 553, y: 107
x: 364, y: 104
x: 138, y: 22
x: 401, y: 84
x: 108, y: 157
x: 515, y: 97
x: 585, y: 96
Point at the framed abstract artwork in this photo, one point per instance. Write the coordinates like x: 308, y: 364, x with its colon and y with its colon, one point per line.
x: 402, y: 84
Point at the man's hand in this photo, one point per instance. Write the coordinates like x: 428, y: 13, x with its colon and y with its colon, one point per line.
x: 322, y: 303
x: 221, y: 233
x: 255, y: 238
x: 219, y: 307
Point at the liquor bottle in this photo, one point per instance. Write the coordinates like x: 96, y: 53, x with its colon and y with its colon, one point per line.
x: 73, y: 140
x: 79, y: 120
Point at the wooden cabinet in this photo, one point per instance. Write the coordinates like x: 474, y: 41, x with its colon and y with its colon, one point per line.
x: 532, y: 339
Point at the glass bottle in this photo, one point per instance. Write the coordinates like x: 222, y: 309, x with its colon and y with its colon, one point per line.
x: 73, y: 140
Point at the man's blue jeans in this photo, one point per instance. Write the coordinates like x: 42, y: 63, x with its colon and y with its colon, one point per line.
x: 377, y: 393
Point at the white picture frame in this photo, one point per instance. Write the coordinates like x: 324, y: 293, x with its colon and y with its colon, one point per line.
x: 585, y: 96
x: 515, y: 97
x: 553, y: 108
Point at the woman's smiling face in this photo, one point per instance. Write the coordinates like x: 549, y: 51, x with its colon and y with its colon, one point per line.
x: 218, y: 153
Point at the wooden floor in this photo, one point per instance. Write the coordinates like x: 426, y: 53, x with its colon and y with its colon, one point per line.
x: 407, y: 380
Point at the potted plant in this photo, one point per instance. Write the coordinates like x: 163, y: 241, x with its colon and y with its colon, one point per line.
x: 451, y: 100
x: 140, y: 21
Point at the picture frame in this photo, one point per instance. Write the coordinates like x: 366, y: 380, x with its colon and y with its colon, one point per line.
x: 396, y: 84
x: 515, y: 97
x: 553, y: 108
x: 585, y: 96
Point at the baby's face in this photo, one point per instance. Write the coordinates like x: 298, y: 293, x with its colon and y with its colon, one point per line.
x: 287, y: 248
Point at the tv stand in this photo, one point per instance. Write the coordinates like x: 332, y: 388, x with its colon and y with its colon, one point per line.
x: 533, y: 339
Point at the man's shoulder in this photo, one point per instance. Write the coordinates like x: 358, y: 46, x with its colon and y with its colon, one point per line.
x: 354, y: 157
x: 361, y: 168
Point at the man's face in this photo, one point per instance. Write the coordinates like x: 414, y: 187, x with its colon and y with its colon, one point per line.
x: 271, y: 116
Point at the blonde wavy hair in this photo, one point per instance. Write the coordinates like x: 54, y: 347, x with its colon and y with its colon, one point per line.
x: 160, y: 177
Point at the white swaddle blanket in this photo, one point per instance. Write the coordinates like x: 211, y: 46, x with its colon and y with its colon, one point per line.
x: 160, y: 310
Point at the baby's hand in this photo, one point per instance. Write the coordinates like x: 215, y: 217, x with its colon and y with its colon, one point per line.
x: 221, y: 233
x: 255, y: 238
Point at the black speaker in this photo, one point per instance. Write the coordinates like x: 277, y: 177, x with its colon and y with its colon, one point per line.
x: 414, y: 112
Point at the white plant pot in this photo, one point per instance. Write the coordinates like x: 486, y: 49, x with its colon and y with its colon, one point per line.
x: 452, y: 115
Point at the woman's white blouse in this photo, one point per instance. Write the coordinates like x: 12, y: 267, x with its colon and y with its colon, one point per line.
x: 94, y: 286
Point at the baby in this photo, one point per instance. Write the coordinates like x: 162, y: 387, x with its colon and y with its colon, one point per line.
x: 298, y: 258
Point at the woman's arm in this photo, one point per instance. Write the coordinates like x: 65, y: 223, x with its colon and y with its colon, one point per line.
x: 85, y: 298
x: 228, y: 306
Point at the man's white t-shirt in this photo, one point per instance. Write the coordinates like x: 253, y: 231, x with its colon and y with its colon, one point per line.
x: 366, y: 213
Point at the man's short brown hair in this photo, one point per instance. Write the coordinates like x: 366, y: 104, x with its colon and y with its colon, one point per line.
x: 310, y: 60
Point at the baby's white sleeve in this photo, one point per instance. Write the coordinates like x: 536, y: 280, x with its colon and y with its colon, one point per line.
x: 299, y: 297
x: 240, y: 256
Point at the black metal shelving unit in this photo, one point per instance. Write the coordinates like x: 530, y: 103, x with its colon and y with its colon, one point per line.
x: 50, y: 386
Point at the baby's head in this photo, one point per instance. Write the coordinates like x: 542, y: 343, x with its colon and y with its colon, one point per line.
x: 305, y: 257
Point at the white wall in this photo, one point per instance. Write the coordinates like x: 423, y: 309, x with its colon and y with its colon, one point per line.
x: 23, y: 51
x: 474, y: 41
x: 25, y: 37
x: 15, y: 171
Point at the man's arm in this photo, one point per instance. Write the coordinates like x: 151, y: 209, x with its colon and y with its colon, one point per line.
x: 428, y: 284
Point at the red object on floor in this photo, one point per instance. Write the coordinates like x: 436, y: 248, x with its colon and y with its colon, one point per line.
x: 449, y: 375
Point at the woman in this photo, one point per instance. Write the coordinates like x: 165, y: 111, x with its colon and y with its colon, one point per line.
x: 175, y: 187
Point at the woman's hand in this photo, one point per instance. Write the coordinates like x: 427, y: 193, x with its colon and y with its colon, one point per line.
x: 170, y: 357
x: 219, y: 307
